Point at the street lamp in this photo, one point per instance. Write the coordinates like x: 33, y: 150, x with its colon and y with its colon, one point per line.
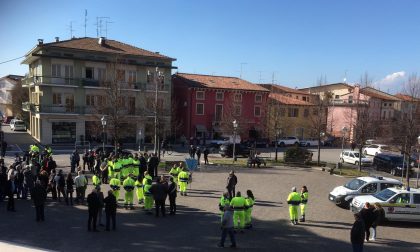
x: 103, y: 121
x: 235, y: 127
x: 139, y: 140
x: 278, y: 133
x: 343, y: 133
x: 157, y: 76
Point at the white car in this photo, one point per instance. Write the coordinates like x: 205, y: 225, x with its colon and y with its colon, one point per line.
x: 288, y: 141
x: 375, y: 149
x: 399, y: 204
x: 343, y: 195
x: 310, y: 142
x: 17, y: 125
x: 352, y: 157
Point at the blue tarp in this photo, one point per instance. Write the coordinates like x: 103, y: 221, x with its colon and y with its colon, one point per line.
x: 191, y: 164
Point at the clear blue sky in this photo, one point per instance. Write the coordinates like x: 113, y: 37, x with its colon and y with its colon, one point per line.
x: 298, y: 41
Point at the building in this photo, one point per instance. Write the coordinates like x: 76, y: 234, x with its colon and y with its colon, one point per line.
x: 73, y: 83
x: 292, y: 93
x: 206, y: 106
x: 7, y: 83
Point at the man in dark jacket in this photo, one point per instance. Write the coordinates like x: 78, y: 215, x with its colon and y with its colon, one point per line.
x: 357, y: 234
x: 110, y: 209
x: 231, y: 183
x: 74, y: 161
x: 160, y: 192
x: 93, y: 207
x: 153, y: 164
x: 368, y: 218
x: 10, y: 191
x: 142, y: 165
x: 172, y: 193
x: 39, y: 195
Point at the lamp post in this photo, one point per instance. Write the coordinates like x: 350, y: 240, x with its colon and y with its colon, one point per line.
x: 103, y: 122
x: 418, y: 162
x: 157, y: 76
x: 278, y: 133
x: 139, y: 140
x: 235, y: 127
x: 343, y: 133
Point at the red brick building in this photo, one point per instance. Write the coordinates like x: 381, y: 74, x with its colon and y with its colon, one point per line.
x: 206, y: 105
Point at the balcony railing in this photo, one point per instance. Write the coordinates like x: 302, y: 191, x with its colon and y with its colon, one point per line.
x: 85, y: 82
x: 348, y: 102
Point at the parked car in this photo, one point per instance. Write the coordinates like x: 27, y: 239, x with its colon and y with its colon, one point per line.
x: 219, y: 141
x: 7, y: 119
x: 331, y: 141
x: 352, y: 157
x: 398, y: 204
x: 310, y: 142
x: 390, y: 162
x: 226, y: 150
x: 370, y: 141
x: 375, y: 149
x: 17, y: 125
x: 259, y: 143
x: 343, y: 195
x: 288, y: 141
x: 108, y: 149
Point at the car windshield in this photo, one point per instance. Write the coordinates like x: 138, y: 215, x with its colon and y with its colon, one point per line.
x: 19, y: 123
x: 356, y: 154
x: 355, y: 184
x: 384, y: 195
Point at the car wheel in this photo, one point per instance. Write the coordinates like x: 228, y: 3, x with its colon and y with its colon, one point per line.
x: 282, y: 144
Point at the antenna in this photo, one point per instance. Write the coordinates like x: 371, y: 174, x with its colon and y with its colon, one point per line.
x: 71, y: 29
x: 106, y: 27
x: 99, y: 21
x: 345, y: 76
x: 85, y: 21
x: 273, y: 78
x: 244, y: 63
x: 259, y: 79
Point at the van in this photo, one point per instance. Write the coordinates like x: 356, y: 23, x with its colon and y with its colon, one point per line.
x: 17, y: 125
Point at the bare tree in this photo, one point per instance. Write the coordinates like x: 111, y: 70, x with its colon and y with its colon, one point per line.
x: 19, y: 95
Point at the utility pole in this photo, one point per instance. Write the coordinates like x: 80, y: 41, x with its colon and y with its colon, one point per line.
x: 85, y: 21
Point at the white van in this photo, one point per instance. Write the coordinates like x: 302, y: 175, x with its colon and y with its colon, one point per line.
x: 16, y: 124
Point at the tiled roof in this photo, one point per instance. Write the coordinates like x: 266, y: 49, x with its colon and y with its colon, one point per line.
x: 326, y: 86
x: 407, y: 97
x: 218, y: 82
x: 109, y: 46
x: 288, y: 100
x: 278, y: 88
x: 372, y: 92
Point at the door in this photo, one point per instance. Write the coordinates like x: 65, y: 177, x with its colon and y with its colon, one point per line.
x: 400, y: 207
x: 369, y: 189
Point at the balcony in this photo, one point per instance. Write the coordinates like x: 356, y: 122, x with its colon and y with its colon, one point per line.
x: 347, y: 102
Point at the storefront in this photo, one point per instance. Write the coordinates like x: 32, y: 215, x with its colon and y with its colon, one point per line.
x: 63, y: 132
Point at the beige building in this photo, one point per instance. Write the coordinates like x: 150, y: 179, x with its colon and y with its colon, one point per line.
x: 7, y: 83
x: 73, y: 83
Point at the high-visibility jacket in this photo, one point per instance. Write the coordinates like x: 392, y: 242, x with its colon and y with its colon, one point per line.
x: 249, y: 202
x: 136, y: 166
x: 118, y: 165
x: 146, y: 189
x: 223, y: 202
x: 183, y: 177
x: 34, y: 148
x: 174, y: 172
x: 147, y: 177
x: 128, y: 184
x: 304, y: 197
x: 110, y: 168
x: 49, y: 151
x: 293, y: 199
x: 138, y: 184
x: 238, y: 203
x: 96, y: 181
x: 115, y: 184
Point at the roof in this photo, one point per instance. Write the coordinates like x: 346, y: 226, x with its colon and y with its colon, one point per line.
x: 12, y: 77
x: 109, y: 46
x: 288, y: 100
x: 372, y: 92
x: 370, y: 179
x: 326, y: 86
x: 405, y: 97
x: 218, y: 82
x: 276, y: 87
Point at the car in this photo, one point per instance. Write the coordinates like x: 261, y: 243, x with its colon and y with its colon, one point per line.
x: 288, y: 141
x: 375, y: 149
x: 331, y: 141
x: 343, y: 195
x: 109, y: 149
x: 370, y: 141
x: 398, y: 204
x: 226, y: 150
x: 309, y: 142
x: 219, y: 141
x: 415, y: 159
x: 16, y: 124
x: 259, y: 143
x: 390, y: 162
x: 352, y: 157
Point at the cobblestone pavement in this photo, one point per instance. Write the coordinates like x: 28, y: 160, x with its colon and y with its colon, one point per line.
x: 196, y: 226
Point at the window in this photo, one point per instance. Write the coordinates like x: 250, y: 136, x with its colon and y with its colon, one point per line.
x: 131, y: 105
x: 403, y: 198
x: 386, y: 185
x: 337, y: 97
x: 257, y: 111
x: 370, y: 188
x: 238, y: 97
x: 56, y: 70
x: 282, y: 112
x: 90, y: 100
x: 132, y: 77
x: 304, y: 98
x: 219, y: 96
x: 89, y: 73
x: 218, y: 114
x: 306, y: 113
x: 199, y: 95
x: 101, y: 74
x: 416, y: 198
x: 199, y: 109
x: 68, y: 73
x: 56, y: 99
x: 237, y: 110
x: 293, y: 112
x: 258, y: 98
x: 384, y: 104
x: 350, y: 99
x: 69, y: 103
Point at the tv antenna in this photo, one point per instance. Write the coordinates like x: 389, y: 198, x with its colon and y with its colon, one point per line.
x: 85, y: 21
x: 71, y: 29
x: 99, y: 25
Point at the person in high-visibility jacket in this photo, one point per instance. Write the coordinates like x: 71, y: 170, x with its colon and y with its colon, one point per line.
x: 183, y: 178
x: 239, y: 204
x: 128, y: 185
x: 250, y: 201
x: 148, y: 197
x: 34, y: 149
x: 115, y: 186
x: 304, y: 200
x: 96, y: 181
x: 174, y: 172
x: 224, y: 200
x: 139, y: 189
x: 48, y: 151
x: 146, y: 177
x: 118, y: 165
x: 111, y: 168
x: 293, y: 200
x: 136, y: 166
x: 126, y: 166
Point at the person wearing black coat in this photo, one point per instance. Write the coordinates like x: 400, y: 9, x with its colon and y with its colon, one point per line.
x: 142, y: 165
x: 232, y: 180
x: 160, y: 192
x: 93, y: 208
x: 153, y: 165
x: 368, y: 218
x: 172, y: 193
x: 357, y: 234
x: 110, y: 210
x: 206, y: 155
x: 10, y: 191
x: 39, y: 195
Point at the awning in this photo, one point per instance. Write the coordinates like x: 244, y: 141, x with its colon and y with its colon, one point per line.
x: 200, y: 128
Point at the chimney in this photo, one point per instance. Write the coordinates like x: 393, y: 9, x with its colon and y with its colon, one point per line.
x: 101, y: 41
x: 157, y: 52
x: 57, y: 39
x: 40, y: 41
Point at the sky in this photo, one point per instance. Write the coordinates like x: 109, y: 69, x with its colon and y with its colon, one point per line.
x: 294, y: 43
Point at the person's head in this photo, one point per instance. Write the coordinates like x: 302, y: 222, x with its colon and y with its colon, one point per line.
x: 249, y: 194
x: 60, y: 171
x: 226, y: 194
x: 98, y: 188
x: 294, y: 189
x: 146, y: 173
x: 79, y: 173
x: 367, y: 205
x: 377, y: 205
x: 231, y: 173
x: 110, y: 193
x: 238, y: 194
x: 304, y: 189
x: 69, y: 176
